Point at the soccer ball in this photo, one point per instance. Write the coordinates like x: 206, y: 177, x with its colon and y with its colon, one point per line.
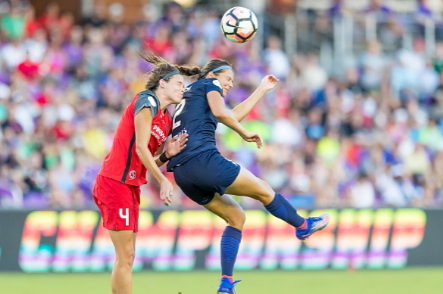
x: 239, y: 24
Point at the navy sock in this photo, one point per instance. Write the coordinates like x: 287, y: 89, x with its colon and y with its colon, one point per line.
x: 230, y: 243
x: 281, y: 208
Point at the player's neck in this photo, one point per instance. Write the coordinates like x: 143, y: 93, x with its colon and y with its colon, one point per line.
x: 163, y: 105
x: 163, y: 101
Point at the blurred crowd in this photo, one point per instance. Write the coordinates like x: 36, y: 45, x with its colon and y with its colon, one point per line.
x: 371, y: 138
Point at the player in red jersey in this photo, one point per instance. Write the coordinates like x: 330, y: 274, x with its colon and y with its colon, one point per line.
x: 137, y: 148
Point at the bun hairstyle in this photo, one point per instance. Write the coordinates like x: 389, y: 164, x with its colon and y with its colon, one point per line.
x: 163, y: 68
x: 212, y: 65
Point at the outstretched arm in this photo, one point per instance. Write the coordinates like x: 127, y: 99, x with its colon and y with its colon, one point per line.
x: 226, y: 117
x: 243, y: 109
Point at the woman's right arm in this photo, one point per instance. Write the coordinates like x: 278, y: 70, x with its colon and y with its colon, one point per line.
x: 226, y: 117
x: 143, y: 124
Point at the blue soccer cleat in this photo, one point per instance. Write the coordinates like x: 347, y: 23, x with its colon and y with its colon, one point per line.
x: 227, y: 285
x: 314, y: 224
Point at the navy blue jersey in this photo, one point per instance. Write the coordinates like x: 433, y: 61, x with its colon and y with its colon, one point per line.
x: 194, y: 117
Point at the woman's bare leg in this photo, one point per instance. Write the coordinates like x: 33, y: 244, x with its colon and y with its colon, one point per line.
x: 124, y: 244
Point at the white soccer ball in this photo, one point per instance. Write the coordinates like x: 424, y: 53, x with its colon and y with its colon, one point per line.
x: 239, y: 25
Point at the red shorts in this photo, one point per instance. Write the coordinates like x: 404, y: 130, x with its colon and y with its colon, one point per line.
x: 119, y: 204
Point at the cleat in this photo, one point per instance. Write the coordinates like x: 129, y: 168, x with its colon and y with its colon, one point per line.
x: 227, y: 285
x: 314, y: 224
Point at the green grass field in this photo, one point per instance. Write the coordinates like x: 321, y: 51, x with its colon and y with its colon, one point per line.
x: 409, y: 281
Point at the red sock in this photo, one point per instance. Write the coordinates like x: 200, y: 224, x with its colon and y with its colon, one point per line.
x: 304, y: 226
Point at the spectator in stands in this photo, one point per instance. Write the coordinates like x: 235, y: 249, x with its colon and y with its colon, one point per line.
x: 362, y: 192
x: 13, y: 24
x: 98, y: 17
x: 276, y: 59
x: 51, y: 18
x: 373, y: 64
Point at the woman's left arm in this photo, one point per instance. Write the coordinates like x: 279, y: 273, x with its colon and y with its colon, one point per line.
x: 243, y: 109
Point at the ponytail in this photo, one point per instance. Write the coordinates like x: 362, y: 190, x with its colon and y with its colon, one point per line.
x: 163, y: 68
x: 189, y: 71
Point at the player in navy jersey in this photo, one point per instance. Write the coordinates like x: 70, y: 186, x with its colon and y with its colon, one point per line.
x: 205, y: 176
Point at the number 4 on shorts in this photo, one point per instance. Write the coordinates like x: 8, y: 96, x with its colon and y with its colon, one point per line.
x: 125, y: 216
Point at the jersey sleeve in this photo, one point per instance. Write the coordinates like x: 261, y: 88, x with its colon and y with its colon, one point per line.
x: 169, y: 123
x: 213, y: 85
x: 146, y: 100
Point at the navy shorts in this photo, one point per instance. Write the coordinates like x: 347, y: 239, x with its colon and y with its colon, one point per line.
x: 206, y: 174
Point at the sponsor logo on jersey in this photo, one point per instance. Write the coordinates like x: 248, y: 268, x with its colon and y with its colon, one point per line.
x: 132, y: 174
x: 188, y: 88
x: 152, y: 101
x: 158, y: 134
x: 217, y: 83
x: 182, y: 132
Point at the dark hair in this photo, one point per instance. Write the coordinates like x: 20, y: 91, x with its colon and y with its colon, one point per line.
x: 211, y: 65
x: 162, y: 68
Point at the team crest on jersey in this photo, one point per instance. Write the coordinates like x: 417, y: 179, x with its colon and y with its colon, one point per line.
x: 152, y: 101
x: 132, y: 174
x: 217, y: 83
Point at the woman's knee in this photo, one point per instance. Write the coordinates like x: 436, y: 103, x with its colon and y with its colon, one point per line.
x: 237, y: 219
x: 265, y: 192
x: 126, y: 256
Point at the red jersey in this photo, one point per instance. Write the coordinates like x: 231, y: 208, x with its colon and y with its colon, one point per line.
x: 122, y: 163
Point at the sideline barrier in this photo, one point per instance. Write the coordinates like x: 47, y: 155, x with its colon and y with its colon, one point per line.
x: 75, y: 241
